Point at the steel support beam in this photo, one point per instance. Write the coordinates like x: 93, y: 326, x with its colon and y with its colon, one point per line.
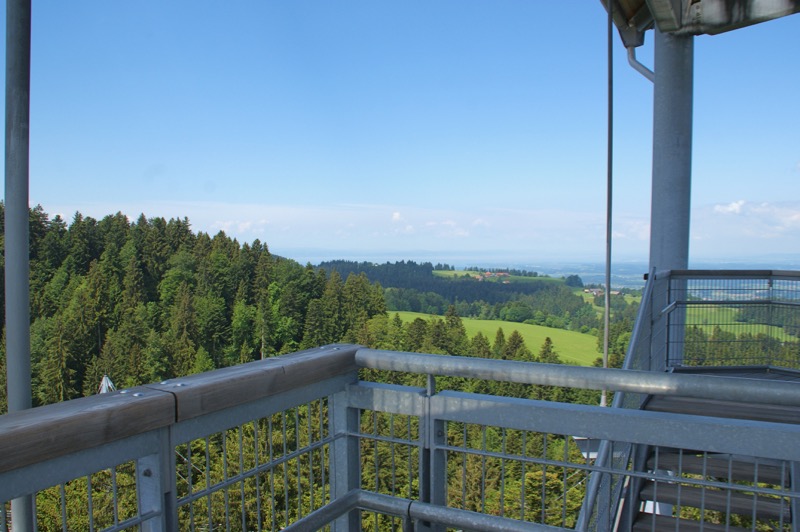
x: 672, y: 151
x: 18, y: 359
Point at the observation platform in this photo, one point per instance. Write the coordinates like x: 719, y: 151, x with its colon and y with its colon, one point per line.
x: 306, y: 442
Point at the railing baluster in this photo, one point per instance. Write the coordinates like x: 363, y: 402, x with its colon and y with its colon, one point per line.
x: 298, y: 460
x: 256, y: 465
x: 310, y: 456
x: 150, y: 492
x: 63, y: 499
x: 241, y: 471
x: 346, y: 462
x: 522, y: 479
x: 271, y: 473
x: 207, y: 475
x: 115, y: 499
x: 285, y: 470
x: 90, y: 502
x: 464, y: 469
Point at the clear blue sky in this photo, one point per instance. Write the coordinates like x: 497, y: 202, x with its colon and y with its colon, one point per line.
x: 459, y: 130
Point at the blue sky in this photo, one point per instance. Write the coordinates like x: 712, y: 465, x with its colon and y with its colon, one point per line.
x: 457, y: 130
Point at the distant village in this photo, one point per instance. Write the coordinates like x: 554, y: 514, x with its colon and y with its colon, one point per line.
x: 480, y: 276
x: 596, y: 292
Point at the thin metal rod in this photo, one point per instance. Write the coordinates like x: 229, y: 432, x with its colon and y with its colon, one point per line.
x: 18, y: 360
x: 648, y: 382
x: 609, y: 191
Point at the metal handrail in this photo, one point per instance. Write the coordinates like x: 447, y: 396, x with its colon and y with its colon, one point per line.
x: 588, y: 378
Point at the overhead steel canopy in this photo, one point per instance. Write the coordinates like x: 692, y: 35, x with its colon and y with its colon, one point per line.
x: 693, y: 17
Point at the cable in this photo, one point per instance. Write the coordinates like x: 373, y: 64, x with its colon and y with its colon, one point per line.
x: 609, y: 189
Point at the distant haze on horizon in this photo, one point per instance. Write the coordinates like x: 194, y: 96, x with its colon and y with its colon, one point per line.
x: 445, y: 131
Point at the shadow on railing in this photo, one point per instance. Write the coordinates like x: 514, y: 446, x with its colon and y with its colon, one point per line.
x: 300, y: 443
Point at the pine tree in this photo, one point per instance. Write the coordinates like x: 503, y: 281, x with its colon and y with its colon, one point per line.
x: 457, y: 340
x: 499, y: 346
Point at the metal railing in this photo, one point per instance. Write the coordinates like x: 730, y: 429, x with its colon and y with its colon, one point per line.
x: 698, y: 318
x: 732, y: 318
x: 300, y: 443
x: 242, y: 448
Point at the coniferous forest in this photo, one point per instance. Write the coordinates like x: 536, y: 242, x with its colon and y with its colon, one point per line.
x: 147, y: 300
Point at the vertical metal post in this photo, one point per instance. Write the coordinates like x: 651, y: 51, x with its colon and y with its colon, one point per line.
x: 18, y: 78
x: 346, y: 463
x: 672, y: 151
x: 149, y: 475
x: 794, y: 474
x: 432, y: 474
x: 672, y: 159
x: 155, y: 485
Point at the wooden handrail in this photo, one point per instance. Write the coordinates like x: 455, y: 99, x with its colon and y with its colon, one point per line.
x: 51, y: 431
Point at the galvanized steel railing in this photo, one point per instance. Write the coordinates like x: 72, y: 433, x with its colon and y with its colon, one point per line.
x: 699, y: 318
x: 299, y: 443
x: 247, y: 447
x: 731, y: 318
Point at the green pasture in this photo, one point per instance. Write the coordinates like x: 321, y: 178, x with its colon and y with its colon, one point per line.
x: 589, y: 298
x: 706, y: 317
x: 573, y: 347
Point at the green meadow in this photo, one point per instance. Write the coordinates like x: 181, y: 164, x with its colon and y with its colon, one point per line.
x: 573, y: 347
x: 708, y: 317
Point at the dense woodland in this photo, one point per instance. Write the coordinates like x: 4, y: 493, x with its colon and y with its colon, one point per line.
x: 150, y: 299
x: 147, y: 300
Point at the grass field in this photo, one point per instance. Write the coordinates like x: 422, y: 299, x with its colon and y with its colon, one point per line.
x: 709, y: 317
x: 572, y: 347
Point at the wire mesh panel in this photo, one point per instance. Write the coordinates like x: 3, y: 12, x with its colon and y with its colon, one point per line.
x: 734, y: 320
x: 522, y: 475
x: 389, y: 452
x: 105, y: 500
x: 261, y: 475
x: 105, y: 487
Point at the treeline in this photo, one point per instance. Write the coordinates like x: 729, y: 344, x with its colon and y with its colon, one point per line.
x: 554, y: 305
x: 722, y: 347
x: 786, y: 317
x: 413, y: 287
x: 419, y: 277
x: 147, y: 300
x: 447, y: 336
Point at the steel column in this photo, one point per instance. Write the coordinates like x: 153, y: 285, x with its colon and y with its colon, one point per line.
x: 432, y: 460
x: 345, y: 458
x: 672, y: 159
x: 672, y: 151
x: 18, y: 77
